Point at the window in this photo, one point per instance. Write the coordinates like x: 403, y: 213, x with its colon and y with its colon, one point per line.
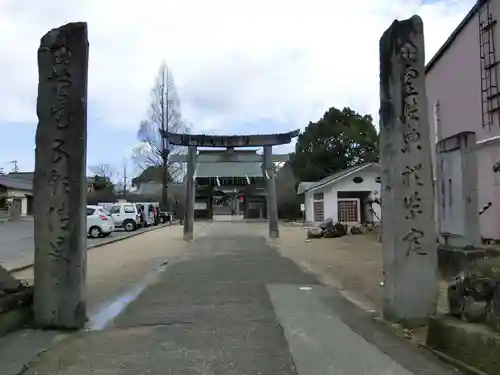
x: 114, y: 209
x: 318, y: 207
x: 104, y: 211
x: 318, y: 196
x: 90, y: 211
x: 129, y: 209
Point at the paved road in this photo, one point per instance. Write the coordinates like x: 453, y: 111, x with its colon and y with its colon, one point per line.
x: 17, y: 247
x: 231, y: 305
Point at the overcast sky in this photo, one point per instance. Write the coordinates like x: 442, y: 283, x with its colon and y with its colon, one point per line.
x: 240, y: 66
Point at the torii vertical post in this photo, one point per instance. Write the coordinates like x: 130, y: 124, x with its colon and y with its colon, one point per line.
x: 190, y: 195
x: 272, y: 206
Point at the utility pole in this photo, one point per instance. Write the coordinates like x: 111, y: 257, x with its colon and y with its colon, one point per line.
x: 125, y: 179
x: 14, y: 166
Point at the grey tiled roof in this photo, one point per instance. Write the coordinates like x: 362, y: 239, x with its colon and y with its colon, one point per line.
x: 154, y: 188
x: 305, y: 186
x: 16, y: 183
x: 26, y: 176
x: 228, y: 169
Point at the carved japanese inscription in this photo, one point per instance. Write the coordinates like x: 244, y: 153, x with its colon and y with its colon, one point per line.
x: 60, y: 182
x: 411, y: 175
x: 58, y: 223
x: 408, y: 230
x: 410, y: 120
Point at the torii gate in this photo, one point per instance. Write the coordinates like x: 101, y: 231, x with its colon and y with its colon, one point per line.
x: 267, y: 141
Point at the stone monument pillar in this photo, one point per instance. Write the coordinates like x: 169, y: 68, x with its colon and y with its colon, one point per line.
x: 408, y: 238
x: 457, y: 203
x: 457, y: 190
x: 272, y: 206
x: 60, y: 179
x: 190, y: 195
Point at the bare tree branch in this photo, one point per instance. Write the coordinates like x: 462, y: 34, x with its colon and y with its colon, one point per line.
x: 102, y: 170
x: 164, y: 114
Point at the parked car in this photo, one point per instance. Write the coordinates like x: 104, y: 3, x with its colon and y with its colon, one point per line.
x: 125, y: 215
x: 99, y: 222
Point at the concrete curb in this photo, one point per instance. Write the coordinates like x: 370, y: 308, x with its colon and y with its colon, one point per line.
x: 111, y: 240
x: 467, y: 369
x: 462, y: 366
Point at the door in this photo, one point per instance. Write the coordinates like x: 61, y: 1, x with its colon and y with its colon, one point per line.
x: 30, y: 205
x: 116, y: 214
x: 90, y: 221
x: 318, y: 207
x: 349, y: 210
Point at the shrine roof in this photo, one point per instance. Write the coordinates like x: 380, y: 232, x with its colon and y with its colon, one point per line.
x: 229, y: 169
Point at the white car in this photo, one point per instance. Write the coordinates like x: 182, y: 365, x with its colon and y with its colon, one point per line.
x: 125, y: 215
x: 99, y: 222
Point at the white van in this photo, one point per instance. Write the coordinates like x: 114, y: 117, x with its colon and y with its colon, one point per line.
x: 147, y: 210
x: 125, y: 215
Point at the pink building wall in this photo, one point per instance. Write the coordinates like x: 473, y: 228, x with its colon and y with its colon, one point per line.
x: 454, y: 81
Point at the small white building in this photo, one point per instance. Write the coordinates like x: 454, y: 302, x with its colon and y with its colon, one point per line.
x: 17, y: 192
x: 343, y: 196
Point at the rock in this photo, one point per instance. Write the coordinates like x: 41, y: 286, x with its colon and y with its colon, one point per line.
x: 470, y: 296
x: 327, y: 224
x: 315, y: 232
x: 7, y: 282
x: 332, y: 234
x: 356, y: 230
x: 474, y: 311
x: 493, y: 310
x: 456, y: 298
x: 340, y: 228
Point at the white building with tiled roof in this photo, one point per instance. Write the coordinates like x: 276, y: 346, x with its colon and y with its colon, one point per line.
x: 343, y: 196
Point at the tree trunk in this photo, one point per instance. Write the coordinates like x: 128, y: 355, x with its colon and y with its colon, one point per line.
x: 164, y: 190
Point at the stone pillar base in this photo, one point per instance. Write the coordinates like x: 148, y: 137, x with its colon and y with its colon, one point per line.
x: 468, y: 343
x: 453, y: 260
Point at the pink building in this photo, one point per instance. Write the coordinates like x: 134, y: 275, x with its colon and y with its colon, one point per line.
x: 463, y: 93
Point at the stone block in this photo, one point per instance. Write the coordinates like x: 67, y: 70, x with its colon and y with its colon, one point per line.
x: 340, y: 228
x: 332, y: 233
x: 7, y: 282
x: 314, y: 232
x: 473, y: 344
x: 16, y: 310
x: 453, y: 260
x: 24, y: 297
x: 15, y: 319
x: 493, y: 310
x: 356, y: 230
x: 327, y: 224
